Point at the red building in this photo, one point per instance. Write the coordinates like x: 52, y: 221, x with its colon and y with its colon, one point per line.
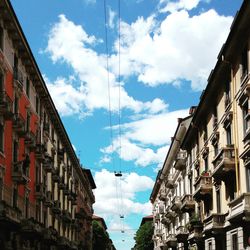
x: 42, y: 185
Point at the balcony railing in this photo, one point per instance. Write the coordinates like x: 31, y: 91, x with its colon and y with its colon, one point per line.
x: 181, y: 234
x: 40, y: 151
x: 18, y: 79
x: 55, y: 175
x: 66, y: 216
x: 163, y: 196
x: 48, y: 164
x: 171, y: 241
x: 165, y: 221
x: 188, y: 203
x: 161, y: 208
x: 158, y: 232
x: 203, y: 187
x: 81, y: 214
x: 60, y: 154
x: 170, y: 214
x: 170, y: 181
x: 239, y: 209
x: 180, y: 162
x: 176, y: 204
x: 61, y: 184
x: 20, y: 172
x: 48, y: 199
x: 56, y: 207
x: 31, y: 228
x: 19, y: 124
x: 6, y: 106
x: 224, y: 163
x: 40, y: 191
x: 30, y: 140
x: 214, y: 222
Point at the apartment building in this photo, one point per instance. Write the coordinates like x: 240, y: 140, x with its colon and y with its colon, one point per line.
x: 205, y: 203
x: 46, y: 197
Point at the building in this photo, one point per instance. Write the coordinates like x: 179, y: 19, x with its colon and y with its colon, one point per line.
x: 145, y: 219
x: 167, y: 189
x: 206, y: 204
x: 43, y: 188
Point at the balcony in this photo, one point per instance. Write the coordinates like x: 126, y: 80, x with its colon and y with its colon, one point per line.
x: 66, y: 216
x: 19, y: 172
x: 56, y: 207
x: 48, y: 164
x: 55, y: 175
x: 40, y: 192
x: 30, y: 140
x: 203, y: 187
x: 170, y: 181
x: 81, y: 214
x: 224, y: 163
x: 50, y: 235
x: 18, y: 79
x: 5, y: 106
x: 60, y: 154
x: 48, y: 199
x: 214, y: 222
x: 30, y: 228
x: 170, y: 214
x: 163, y: 195
x: 161, y: 208
x: 176, y: 204
x: 180, y: 162
x: 171, y: 241
x: 158, y: 232
x: 61, y: 184
x: 66, y: 190
x: 63, y: 243
x: 181, y: 234
x: 188, y: 203
x: 40, y: 151
x: 239, y: 209
x: 165, y: 221
x: 18, y: 124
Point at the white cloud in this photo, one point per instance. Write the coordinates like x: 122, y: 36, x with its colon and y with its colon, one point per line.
x: 111, y: 15
x: 70, y: 44
x: 181, y: 4
x: 108, y: 198
x: 177, y: 48
x: 139, y: 136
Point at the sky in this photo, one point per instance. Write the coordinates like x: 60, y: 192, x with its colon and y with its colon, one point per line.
x: 120, y: 85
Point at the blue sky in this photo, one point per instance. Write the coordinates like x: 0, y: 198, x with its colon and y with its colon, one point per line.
x: 168, y: 49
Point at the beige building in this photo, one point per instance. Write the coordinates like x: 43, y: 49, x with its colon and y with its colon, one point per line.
x: 203, y: 200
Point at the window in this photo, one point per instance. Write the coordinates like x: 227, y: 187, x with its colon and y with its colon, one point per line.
x: 15, y: 151
x: 205, y: 132
x: 1, y: 38
x: 15, y: 197
x: 244, y: 63
x: 216, y: 149
x: 26, y: 206
x: 28, y: 122
x: 227, y: 93
x: 215, y: 116
x: 206, y: 163
x: 37, y: 105
x: 1, y: 82
x: 246, y: 117
x: 248, y: 178
x: 1, y: 188
x: 16, y: 105
x: 1, y: 137
x: 218, y: 201
x: 210, y: 245
x: 229, y: 134
x: 234, y: 241
x: 27, y: 87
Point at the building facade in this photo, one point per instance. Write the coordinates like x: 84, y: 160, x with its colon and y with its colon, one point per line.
x: 205, y: 203
x: 46, y: 197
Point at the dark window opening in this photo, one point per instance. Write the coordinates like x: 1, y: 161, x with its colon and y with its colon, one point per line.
x: 244, y: 63
x: 1, y: 38
x: 1, y: 137
x: 229, y: 134
x: 27, y: 87
x: 234, y: 241
x: 14, y: 198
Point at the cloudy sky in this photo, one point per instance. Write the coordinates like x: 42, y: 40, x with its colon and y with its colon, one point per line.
x: 167, y: 50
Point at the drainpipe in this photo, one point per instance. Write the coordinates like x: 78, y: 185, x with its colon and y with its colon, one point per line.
x: 235, y: 127
x: 236, y: 136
